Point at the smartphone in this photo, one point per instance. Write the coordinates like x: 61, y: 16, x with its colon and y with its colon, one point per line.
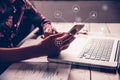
x: 75, y: 29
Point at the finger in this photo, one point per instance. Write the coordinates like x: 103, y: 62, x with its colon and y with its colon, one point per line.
x: 68, y: 41
x: 62, y: 37
x: 65, y: 37
x: 64, y: 47
x: 57, y: 35
x: 68, y: 36
x: 66, y: 44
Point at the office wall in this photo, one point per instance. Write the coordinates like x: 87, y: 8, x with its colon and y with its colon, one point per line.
x: 101, y: 11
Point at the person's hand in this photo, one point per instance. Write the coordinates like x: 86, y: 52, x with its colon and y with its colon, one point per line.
x: 48, y: 30
x: 50, y: 46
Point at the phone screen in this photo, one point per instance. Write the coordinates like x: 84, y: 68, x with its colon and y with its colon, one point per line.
x: 75, y: 29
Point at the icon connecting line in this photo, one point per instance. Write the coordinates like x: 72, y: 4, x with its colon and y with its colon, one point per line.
x: 92, y: 15
x: 76, y: 8
x: 78, y: 19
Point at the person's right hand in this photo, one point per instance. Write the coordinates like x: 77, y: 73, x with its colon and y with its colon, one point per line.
x: 51, y: 48
x: 48, y: 30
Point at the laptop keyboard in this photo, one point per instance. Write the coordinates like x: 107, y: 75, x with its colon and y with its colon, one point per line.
x: 98, y: 49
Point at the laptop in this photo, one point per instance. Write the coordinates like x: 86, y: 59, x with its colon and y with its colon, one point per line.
x: 97, y: 52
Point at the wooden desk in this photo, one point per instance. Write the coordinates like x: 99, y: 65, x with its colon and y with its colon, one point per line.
x: 88, y: 74
x: 94, y: 29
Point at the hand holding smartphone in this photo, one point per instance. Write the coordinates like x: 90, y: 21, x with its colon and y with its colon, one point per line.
x: 75, y: 29
x: 69, y: 37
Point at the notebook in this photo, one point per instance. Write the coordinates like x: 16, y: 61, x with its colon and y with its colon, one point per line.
x: 98, y: 52
x: 36, y: 71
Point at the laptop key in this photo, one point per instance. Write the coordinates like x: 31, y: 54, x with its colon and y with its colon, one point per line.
x: 98, y: 49
x: 103, y: 58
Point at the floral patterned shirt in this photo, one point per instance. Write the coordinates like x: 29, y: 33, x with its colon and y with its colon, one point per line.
x: 10, y: 34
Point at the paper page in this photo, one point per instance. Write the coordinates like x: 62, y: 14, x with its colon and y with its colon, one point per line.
x: 36, y: 71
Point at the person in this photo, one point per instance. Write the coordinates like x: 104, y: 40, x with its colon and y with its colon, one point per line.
x: 16, y: 19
